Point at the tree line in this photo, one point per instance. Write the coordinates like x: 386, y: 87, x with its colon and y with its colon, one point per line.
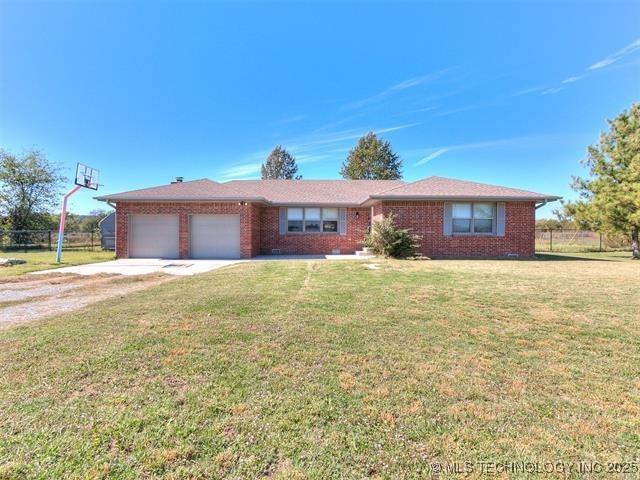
x: 371, y: 159
x: 30, y: 191
x: 608, y: 198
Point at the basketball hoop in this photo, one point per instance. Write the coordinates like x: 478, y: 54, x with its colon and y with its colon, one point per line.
x: 86, y: 177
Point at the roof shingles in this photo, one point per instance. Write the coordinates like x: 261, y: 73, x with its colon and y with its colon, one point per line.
x: 322, y: 192
x: 439, y: 187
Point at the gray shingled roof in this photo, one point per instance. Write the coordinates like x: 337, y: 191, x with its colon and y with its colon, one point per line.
x: 335, y: 192
x: 203, y: 189
x: 439, y: 188
x: 322, y: 192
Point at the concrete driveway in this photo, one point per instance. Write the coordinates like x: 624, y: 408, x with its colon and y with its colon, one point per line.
x: 141, y: 266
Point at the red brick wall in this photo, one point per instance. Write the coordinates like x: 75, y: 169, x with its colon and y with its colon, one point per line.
x: 249, y: 222
x: 259, y: 230
x: 256, y: 212
x: 426, y: 219
x: 312, y: 243
x: 377, y: 211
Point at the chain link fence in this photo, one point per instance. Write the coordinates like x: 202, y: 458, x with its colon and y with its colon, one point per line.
x: 566, y: 240
x: 560, y: 240
x: 25, y: 240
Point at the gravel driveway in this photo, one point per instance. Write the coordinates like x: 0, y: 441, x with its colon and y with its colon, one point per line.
x: 30, y: 298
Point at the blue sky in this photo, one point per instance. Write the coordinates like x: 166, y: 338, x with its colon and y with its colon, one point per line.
x: 503, y: 92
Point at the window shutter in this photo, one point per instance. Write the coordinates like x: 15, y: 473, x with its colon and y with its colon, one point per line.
x: 500, y: 219
x: 342, y: 223
x: 446, y: 226
x: 283, y: 220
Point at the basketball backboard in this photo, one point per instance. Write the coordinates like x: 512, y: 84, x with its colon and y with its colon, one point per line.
x: 87, y: 177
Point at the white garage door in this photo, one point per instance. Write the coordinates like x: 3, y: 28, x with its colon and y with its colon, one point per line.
x: 153, y: 236
x: 215, y: 236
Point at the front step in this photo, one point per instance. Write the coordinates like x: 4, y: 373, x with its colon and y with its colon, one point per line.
x: 364, y: 253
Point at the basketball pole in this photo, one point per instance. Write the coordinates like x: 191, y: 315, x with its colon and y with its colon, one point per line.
x: 63, y: 218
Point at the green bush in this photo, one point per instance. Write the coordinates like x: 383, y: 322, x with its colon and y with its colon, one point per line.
x: 385, y: 238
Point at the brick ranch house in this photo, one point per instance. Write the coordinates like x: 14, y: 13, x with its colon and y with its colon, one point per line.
x: 245, y: 218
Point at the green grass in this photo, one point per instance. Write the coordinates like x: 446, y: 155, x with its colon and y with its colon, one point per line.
x: 331, y: 370
x: 44, y: 259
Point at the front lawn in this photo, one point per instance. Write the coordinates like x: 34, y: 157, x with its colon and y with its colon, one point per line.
x: 44, y: 259
x: 332, y: 370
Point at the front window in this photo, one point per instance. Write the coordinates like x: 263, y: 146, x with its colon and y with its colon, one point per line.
x: 295, y: 219
x: 330, y: 220
x: 312, y: 220
x: 312, y: 217
x: 473, y: 218
x: 461, y: 218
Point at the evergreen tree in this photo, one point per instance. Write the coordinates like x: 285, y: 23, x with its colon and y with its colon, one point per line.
x: 280, y: 164
x: 372, y: 159
x: 610, y: 196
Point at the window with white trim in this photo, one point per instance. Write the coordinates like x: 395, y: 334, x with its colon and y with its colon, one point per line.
x: 312, y: 220
x: 473, y: 218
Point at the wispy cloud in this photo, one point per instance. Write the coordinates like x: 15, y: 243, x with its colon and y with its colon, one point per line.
x: 291, y: 119
x: 309, y: 157
x: 242, y: 171
x: 572, y: 79
x: 398, y: 87
x: 434, y: 155
x: 336, y: 123
x: 413, y: 82
x: 307, y: 149
x: 341, y: 136
x: 426, y: 109
x: 416, y: 110
x: 439, y: 151
x: 611, y: 59
x: 614, y: 57
x: 550, y: 91
x: 464, y: 108
x: 527, y: 91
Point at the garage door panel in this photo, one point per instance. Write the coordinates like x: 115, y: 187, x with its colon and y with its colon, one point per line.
x: 215, y: 236
x: 154, y: 236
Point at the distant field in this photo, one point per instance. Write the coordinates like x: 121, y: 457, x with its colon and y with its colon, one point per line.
x: 289, y: 369
x: 578, y: 241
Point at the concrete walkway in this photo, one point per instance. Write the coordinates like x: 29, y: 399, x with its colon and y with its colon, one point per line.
x: 312, y: 257
x: 141, y: 266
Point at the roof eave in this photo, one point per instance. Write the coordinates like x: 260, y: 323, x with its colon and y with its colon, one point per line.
x: 116, y: 199
x: 316, y: 204
x: 548, y: 198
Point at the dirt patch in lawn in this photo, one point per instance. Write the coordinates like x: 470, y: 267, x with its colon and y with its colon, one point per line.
x: 33, y: 299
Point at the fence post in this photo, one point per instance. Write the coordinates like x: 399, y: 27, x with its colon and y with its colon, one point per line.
x: 551, y: 240
x: 600, y: 242
x: 92, y: 240
x: 49, y: 240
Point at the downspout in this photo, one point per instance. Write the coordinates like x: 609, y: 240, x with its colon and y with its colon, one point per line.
x: 115, y: 228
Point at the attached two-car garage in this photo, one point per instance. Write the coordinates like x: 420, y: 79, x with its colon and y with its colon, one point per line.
x: 158, y: 236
